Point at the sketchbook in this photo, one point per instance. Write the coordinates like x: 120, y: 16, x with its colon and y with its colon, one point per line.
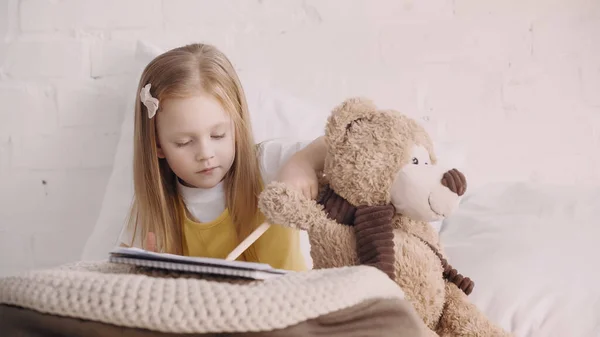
x: 201, y: 265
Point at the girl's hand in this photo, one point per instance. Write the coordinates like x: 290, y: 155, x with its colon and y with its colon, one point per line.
x: 150, y: 242
x: 300, y: 174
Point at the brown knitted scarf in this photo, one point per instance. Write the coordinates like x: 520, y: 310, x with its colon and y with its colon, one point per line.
x: 375, y: 238
x: 372, y: 228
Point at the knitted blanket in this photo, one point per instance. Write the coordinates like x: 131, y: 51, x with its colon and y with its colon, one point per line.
x: 171, y: 302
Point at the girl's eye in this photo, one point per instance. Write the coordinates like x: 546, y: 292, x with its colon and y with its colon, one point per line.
x: 218, y: 136
x: 183, y: 144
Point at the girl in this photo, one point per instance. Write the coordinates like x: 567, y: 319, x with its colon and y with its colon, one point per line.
x: 197, y: 172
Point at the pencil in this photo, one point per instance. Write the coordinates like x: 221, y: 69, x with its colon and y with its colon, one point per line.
x: 260, y: 230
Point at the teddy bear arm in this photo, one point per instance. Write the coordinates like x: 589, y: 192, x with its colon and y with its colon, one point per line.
x: 332, y: 244
x: 284, y: 206
x: 460, y: 317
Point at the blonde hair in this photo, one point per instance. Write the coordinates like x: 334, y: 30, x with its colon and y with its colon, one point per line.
x: 157, y: 206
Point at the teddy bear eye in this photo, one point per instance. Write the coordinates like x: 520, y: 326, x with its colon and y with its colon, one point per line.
x: 415, y: 161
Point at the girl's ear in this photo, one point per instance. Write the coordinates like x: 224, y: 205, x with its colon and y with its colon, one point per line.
x: 159, y: 151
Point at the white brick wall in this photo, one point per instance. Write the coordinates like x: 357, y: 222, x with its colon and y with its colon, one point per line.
x: 56, y: 58
x: 516, y: 82
x: 49, y: 16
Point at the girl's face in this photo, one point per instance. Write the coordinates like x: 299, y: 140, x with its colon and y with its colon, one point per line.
x: 197, y: 138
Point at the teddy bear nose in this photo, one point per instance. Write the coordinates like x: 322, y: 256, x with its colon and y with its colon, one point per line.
x: 455, y: 181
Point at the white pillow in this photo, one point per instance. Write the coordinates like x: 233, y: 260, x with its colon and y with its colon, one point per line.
x: 526, y: 248
x: 274, y: 114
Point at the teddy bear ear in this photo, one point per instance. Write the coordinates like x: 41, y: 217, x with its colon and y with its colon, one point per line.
x: 345, y: 114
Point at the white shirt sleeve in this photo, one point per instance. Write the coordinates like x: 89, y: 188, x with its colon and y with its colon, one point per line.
x: 274, y: 153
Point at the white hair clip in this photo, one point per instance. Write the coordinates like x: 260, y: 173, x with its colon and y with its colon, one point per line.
x: 150, y: 102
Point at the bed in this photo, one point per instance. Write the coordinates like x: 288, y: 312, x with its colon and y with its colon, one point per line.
x: 530, y: 248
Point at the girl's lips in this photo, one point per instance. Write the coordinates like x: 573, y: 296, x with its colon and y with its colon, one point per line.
x: 208, y: 170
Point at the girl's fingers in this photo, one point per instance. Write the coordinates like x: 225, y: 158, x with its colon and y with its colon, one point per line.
x: 308, y: 192
x: 151, y: 242
x: 314, y: 191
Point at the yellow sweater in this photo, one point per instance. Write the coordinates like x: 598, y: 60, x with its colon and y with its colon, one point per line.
x: 279, y: 246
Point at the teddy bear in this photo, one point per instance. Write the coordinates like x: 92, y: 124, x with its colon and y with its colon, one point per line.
x: 380, y: 189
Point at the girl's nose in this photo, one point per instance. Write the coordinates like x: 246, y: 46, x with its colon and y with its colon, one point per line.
x: 204, y: 152
x: 200, y: 156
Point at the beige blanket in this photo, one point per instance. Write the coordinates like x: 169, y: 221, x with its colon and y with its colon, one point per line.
x: 97, y: 299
